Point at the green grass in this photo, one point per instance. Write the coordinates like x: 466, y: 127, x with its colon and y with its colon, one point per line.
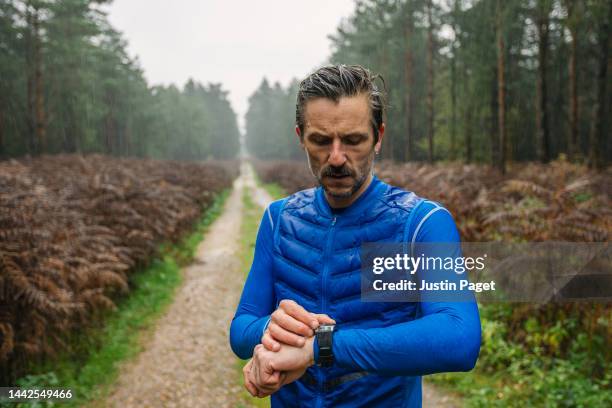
x: 92, y: 366
x: 251, y: 214
x: 275, y: 190
x: 512, y: 374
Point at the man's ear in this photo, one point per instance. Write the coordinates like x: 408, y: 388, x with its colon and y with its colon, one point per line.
x: 381, y: 135
x: 299, y: 136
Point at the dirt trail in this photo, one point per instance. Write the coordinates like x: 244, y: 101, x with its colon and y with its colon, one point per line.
x: 436, y: 398
x: 260, y: 196
x: 187, y: 361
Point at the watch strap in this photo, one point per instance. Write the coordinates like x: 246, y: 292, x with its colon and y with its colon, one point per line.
x: 324, y: 338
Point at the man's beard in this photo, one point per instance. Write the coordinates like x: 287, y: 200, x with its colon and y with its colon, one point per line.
x: 330, y: 171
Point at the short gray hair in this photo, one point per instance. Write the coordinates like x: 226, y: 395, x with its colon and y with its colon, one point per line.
x: 336, y: 81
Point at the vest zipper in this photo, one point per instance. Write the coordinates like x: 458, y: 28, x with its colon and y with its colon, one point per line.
x: 324, y: 294
x: 325, y: 269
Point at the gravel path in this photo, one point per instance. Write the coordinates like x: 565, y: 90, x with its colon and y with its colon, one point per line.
x: 187, y: 361
x: 259, y: 195
x: 433, y: 397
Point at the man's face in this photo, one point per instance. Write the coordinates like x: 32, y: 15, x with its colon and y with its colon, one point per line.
x: 339, y: 142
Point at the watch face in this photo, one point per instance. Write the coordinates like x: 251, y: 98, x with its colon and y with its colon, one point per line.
x: 325, y: 328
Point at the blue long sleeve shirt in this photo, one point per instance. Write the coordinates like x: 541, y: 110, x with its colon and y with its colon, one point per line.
x: 445, y: 336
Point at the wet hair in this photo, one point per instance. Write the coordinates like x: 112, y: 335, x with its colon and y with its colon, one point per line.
x: 336, y: 81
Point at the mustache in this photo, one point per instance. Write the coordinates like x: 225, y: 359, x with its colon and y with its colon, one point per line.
x: 331, y: 171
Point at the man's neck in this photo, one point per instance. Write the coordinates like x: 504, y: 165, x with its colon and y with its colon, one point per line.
x: 338, y: 203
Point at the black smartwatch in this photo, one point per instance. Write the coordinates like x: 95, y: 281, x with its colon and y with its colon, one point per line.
x: 325, y: 336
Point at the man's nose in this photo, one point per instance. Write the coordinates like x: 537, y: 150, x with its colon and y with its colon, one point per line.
x: 337, y: 156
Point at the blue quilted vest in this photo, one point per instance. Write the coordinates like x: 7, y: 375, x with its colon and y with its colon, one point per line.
x: 317, y: 264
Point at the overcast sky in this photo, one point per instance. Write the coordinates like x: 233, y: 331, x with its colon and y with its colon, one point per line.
x: 236, y: 43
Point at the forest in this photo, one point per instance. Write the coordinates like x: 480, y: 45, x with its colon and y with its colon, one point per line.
x: 120, y: 198
x: 484, y: 81
x: 67, y: 84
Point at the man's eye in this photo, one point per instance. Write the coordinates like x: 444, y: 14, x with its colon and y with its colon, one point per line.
x: 352, y: 140
x: 320, y: 140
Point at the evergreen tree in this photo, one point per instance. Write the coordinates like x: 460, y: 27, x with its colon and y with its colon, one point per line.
x: 67, y: 84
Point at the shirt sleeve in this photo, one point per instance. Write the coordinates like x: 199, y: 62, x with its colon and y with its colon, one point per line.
x: 257, y: 301
x: 445, y: 337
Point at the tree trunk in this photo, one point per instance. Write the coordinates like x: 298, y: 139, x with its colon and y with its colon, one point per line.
x: 70, y: 141
x: 36, y: 121
x: 2, y: 148
x: 542, y: 132
x: 110, y: 128
x: 127, y: 139
x: 30, y: 83
x: 387, y: 148
x: 453, y: 79
x: 501, y: 90
x: 430, y: 82
x: 572, y: 148
x: 598, y: 157
x: 41, y: 125
x: 467, y: 118
x: 573, y: 95
x: 383, y: 56
x: 409, y: 83
x: 467, y: 129
x: 110, y: 133
x: 453, y: 124
x: 493, y: 115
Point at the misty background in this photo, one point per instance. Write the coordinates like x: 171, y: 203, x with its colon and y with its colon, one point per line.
x: 476, y: 81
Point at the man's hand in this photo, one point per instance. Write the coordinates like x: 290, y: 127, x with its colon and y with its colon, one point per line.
x: 249, y: 371
x: 246, y: 371
x: 268, y: 370
x: 285, y: 351
x: 291, y: 324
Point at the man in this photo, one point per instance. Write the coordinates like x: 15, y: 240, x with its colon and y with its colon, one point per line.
x: 305, y: 277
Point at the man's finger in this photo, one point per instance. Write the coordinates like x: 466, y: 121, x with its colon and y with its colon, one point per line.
x: 264, y: 394
x: 256, y: 379
x: 251, y: 388
x: 247, y: 367
x: 283, y: 336
x: 324, y: 319
x: 247, y: 383
x: 267, y: 389
x: 291, y: 324
x: 270, y: 379
x: 269, y: 342
x: 250, y: 375
x: 298, y: 312
x: 261, y: 375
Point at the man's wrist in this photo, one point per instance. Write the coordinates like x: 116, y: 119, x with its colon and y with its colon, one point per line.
x: 311, y: 347
x: 265, y: 326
